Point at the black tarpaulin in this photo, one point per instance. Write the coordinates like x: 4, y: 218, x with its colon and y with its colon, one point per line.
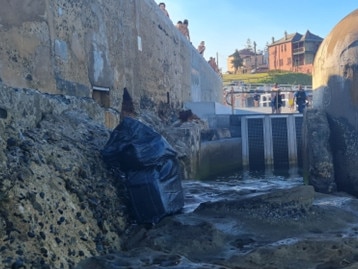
x: 152, y: 170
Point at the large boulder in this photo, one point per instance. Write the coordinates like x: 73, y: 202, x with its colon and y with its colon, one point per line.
x: 58, y: 202
x: 317, y: 154
x: 335, y: 84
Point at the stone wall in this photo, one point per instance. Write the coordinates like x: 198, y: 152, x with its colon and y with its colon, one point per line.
x: 335, y: 84
x: 72, y: 47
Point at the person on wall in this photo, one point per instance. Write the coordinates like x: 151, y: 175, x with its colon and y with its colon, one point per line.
x: 162, y: 6
x: 201, y: 48
x: 185, y: 29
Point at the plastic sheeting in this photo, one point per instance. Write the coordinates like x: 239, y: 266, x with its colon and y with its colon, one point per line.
x: 152, y: 170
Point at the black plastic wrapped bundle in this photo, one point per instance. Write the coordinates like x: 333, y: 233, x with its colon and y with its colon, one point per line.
x: 152, y: 170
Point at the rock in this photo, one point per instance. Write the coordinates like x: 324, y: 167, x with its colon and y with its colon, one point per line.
x: 344, y: 149
x: 59, y: 203
x: 275, y: 205
x: 317, y: 153
x: 60, y: 206
x: 285, y: 228
x: 143, y: 258
x: 335, y: 92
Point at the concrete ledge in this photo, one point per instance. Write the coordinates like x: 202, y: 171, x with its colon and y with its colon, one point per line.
x: 218, y: 157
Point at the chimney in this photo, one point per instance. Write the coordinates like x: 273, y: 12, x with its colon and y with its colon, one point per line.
x: 273, y: 40
x: 285, y: 35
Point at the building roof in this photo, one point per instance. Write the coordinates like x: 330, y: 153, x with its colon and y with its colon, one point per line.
x: 308, y: 36
x: 287, y: 38
x: 246, y: 52
x: 296, y: 37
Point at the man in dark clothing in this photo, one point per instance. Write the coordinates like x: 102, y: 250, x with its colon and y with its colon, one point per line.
x: 301, y: 99
x: 277, y: 102
x: 256, y: 99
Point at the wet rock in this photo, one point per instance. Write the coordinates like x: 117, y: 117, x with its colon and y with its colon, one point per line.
x: 293, y: 227
x: 317, y: 152
x: 273, y: 206
x: 143, y: 258
x: 344, y: 148
x: 50, y: 170
x: 335, y: 92
x: 62, y: 208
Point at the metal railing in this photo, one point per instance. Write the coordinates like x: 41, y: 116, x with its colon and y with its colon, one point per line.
x: 246, y: 97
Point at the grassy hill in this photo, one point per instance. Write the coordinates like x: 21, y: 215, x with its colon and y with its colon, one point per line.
x: 270, y: 78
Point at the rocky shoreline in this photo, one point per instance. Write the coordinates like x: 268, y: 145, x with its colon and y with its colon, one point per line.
x: 61, y: 207
x: 288, y: 228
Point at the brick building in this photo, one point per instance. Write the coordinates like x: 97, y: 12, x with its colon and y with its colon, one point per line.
x: 250, y: 61
x: 294, y: 52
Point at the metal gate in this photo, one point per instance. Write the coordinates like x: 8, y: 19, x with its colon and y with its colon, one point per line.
x: 271, y: 141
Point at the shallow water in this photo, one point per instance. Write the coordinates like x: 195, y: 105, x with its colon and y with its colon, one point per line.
x: 239, y: 183
x: 281, y: 242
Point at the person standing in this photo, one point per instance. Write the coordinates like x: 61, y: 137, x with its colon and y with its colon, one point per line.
x: 256, y: 99
x: 162, y: 6
x: 201, y: 48
x: 274, y: 96
x: 212, y: 63
x: 277, y: 102
x: 179, y: 25
x: 186, y: 29
x: 300, y: 99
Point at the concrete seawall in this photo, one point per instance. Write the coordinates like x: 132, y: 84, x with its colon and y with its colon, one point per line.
x: 96, y: 49
x: 219, y: 157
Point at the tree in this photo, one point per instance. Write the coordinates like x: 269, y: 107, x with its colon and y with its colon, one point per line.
x: 255, y: 54
x: 248, y: 44
x: 236, y: 61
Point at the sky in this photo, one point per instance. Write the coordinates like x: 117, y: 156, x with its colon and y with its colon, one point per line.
x: 226, y: 25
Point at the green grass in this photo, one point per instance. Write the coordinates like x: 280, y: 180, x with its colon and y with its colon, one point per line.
x: 270, y: 78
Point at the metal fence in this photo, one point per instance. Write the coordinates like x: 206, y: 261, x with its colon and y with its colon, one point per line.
x: 243, y: 96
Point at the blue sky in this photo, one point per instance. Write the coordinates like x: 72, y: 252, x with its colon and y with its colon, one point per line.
x: 226, y: 25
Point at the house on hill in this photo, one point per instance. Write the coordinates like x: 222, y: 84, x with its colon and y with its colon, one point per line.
x: 294, y: 52
x: 250, y: 61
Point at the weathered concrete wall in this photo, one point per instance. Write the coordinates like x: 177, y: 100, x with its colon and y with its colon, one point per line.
x: 69, y: 47
x: 335, y: 71
x: 335, y: 84
x: 219, y: 157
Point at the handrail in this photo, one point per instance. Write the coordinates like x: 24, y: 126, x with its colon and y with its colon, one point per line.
x: 249, y: 88
x: 246, y: 99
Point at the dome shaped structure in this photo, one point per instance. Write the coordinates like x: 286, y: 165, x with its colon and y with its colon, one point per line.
x: 335, y: 84
x: 335, y: 72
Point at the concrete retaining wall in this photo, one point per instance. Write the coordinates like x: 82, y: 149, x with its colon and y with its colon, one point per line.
x: 73, y: 47
x: 219, y: 157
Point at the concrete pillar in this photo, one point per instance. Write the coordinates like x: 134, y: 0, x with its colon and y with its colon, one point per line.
x: 268, y: 148
x: 291, y: 140
x: 245, y: 143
